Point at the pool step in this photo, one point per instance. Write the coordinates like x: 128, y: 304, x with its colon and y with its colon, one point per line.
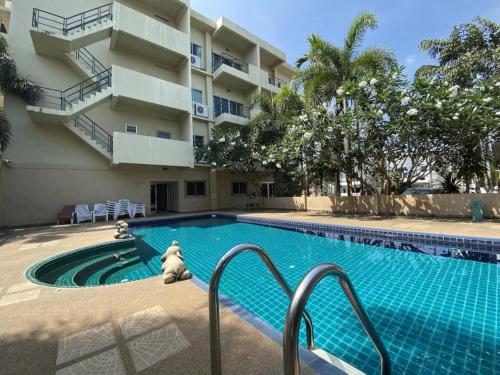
x: 114, y: 275
x: 84, y: 276
x: 337, y: 362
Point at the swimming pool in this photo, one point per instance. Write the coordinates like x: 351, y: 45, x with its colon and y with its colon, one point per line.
x: 435, y: 314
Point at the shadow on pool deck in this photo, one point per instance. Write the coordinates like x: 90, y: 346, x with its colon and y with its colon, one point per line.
x: 30, y: 331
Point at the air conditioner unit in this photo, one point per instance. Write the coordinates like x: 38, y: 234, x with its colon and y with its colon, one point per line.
x: 196, y: 61
x: 201, y: 110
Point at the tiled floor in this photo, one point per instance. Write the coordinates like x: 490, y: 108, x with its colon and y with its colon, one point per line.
x: 156, y: 346
x: 150, y: 340
x: 107, y: 363
x: 143, y: 321
x: 85, y: 342
x: 18, y: 293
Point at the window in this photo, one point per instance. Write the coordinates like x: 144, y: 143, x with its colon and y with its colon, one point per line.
x: 228, y: 106
x: 198, y: 141
x: 239, y: 188
x: 267, y: 189
x: 195, y: 188
x: 197, y: 96
x: 130, y: 128
x: 162, y: 134
x: 195, y: 50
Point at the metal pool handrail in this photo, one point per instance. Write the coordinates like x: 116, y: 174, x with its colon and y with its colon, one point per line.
x: 213, y: 301
x: 297, y: 307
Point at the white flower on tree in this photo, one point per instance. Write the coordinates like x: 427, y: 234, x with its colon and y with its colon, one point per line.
x: 363, y: 84
x: 222, y: 140
x: 412, y: 112
x: 340, y: 91
x: 439, y: 104
x: 307, y: 135
x: 405, y: 100
x: 278, y: 165
x: 373, y: 81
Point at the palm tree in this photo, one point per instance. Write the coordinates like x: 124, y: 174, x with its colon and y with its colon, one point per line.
x: 11, y: 82
x: 326, y: 67
x: 275, y: 114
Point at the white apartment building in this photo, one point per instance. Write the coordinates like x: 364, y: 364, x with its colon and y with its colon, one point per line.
x: 129, y: 88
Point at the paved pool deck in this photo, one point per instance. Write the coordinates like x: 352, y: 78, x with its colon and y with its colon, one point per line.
x: 141, y: 327
x: 448, y: 226
x: 144, y: 326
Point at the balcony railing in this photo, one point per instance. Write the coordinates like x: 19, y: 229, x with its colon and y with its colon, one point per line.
x: 277, y: 82
x: 94, y: 131
x: 64, y: 99
x: 232, y: 108
x: 65, y: 25
x: 229, y: 60
x: 84, y: 56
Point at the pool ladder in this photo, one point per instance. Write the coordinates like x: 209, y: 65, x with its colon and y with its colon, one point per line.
x: 296, y: 310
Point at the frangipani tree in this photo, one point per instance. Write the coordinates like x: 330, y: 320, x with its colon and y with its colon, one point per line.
x: 412, y: 128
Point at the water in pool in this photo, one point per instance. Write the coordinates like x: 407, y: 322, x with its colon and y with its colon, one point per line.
x: 436, y: 315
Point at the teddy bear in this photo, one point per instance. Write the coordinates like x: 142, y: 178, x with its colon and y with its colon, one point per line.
x: 121, y: 230
x: 173, y: 266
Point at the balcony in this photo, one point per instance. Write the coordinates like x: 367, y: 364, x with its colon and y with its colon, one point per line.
x: 136, y: 31
x: 172, y: 8
x: 234, y: 73
x: 131, y: 87
x: 231, y: 116
x: 55, y: 35
x: 270, y: 82
x: 139, y: 149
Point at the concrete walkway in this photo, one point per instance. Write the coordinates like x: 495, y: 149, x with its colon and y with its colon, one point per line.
x: 141, y: 326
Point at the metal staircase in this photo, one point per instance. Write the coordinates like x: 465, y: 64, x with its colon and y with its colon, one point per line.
x: 85, y: 62
x: 68, y: 107
x: 54, y: 35
x: 296, y: 311
x: 93, y: 134
x: 53, y: 23
x: 75, y: 100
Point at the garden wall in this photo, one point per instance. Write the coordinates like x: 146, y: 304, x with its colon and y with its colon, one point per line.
x: 444, y: 205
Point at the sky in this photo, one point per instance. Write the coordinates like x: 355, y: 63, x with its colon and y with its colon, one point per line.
x: 402, y: 23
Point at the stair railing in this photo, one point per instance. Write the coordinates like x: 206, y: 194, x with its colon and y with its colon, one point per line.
x: 84, y: 56
x: 59, y: 99
x: 297, y: 308
x: 64, y: 25
x: 94, y: 131
x: 213, y: 301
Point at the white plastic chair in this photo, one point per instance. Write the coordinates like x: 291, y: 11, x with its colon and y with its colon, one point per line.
x: 112, y: 208
x: 124, y: 208
x: 83, y: 213
x: 100, y: 210
x: 138, y: 208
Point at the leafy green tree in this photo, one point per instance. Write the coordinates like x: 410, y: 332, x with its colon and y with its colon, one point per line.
x: 12, y: 83
x: 450, y: 184
x: 470, y: 54
x: 326, y: 68
x: 468, y: 57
